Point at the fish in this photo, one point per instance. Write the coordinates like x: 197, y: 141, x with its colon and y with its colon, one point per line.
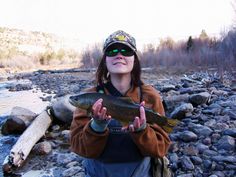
x: 122, y: 109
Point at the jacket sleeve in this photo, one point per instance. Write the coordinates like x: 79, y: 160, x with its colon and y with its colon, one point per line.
x: 153, y: 141
x: 84, y: 141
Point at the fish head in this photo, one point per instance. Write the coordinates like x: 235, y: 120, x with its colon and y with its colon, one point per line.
x: 81, y: 101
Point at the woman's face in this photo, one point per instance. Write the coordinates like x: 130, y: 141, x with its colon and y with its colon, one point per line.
x: 121, y: 62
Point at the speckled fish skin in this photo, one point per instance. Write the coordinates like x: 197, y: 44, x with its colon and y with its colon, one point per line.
x: 121, y: 109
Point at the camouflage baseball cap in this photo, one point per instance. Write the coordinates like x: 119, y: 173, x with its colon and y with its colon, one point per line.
x: 122, y: 38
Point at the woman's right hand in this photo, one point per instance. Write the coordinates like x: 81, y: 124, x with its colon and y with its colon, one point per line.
x: 100, y: 118
x: 99, y: 112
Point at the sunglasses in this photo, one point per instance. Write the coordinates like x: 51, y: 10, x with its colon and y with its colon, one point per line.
x: 127, y: 52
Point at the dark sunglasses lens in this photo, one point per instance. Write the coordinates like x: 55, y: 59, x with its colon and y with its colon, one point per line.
x: 127, y: 52
x: 112, y: 52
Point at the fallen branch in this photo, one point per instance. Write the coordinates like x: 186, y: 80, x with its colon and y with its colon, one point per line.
x: 25, y: 143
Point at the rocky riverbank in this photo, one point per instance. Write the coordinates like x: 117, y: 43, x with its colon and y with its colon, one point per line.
x: 203, y: 143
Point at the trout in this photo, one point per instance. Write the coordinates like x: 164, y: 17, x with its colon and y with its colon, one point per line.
x: 122, y: 109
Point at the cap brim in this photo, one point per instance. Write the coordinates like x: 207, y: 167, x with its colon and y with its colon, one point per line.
x: 120, y: 42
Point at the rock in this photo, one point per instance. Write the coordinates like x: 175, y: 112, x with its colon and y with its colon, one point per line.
x: 19, y: 119
x: 213, y: 176
x: 73, y: 164
x: 74, y: 171
x: 20, y: 87
x: 42, y: 148
x: 13, y: 125
x: 207, y: 164
x: 187, y: 163
x: 219, y: 174
x: 173, y: 101
x: 230, y: 132
x: 191, y: 90
x: 181, y: 111
x: 213, y: 109
x: 215, y: 137
x: 173, y: 157
x: 219, y: 127
x: 200, y: 130
x: 190, y: 151
x: 174, y: 147
x: 167, y: 87
x: 188, y: 136
x: 200, y: 98
x: 185, y: 175
x: 226, y: 143
x: 232, y: 115
x: 196, y: 160
x: 65, y: 134
x: 209, y: 153
x: 64, y: 159
x: 63, y: 110
x: 201, y: 147
x: 207, y: 141
x: 227, y: 159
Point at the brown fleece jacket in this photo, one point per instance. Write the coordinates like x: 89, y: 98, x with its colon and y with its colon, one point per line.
x: 153, y: 141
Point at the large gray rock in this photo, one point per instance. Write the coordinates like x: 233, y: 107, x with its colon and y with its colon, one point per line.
x: 63, y: 110
x: 181, y: 111
x: 172, y: 101
x: 19, y: 119
x: 199, y: 98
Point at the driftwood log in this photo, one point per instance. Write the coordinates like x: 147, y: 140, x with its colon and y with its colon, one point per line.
x: 26, y: 141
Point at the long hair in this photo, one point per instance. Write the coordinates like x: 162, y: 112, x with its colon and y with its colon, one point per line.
x: 102, y: 75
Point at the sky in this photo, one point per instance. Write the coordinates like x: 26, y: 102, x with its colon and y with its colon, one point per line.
x: 91, y: 21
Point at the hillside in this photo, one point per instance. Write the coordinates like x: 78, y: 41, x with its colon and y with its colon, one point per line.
x: 27, y: 41
x: 26, y: 49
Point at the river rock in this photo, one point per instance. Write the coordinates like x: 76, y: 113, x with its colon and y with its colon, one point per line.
x: 42, y: 148
x: 181, y: 111
x: 196, y: 160
x: 187, y: 136
x: 230, y: 132
x: 19, y: 119
x: 226, y: 142
x: 187, y: 163
x: 199, y: 98
x: 167, y: 87
x: 172, y: 101
x: 63, y: 110
x: 20, y: 87
x: 74, y: 171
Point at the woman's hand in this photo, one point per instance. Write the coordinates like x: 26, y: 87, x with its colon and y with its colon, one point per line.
x: 139, y: 123
x: 100, y: 118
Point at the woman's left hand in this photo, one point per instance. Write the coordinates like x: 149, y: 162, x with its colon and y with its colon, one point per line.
x: 139, y: 123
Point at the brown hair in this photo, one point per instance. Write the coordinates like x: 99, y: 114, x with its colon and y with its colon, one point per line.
x: 102, y: 72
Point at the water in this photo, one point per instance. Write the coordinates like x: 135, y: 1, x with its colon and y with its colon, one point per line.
x: 29, y: 99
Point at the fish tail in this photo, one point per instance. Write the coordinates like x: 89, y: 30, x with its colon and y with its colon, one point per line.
x: 171, y: 123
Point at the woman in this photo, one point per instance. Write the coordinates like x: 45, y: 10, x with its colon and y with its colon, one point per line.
x: 111, y: 150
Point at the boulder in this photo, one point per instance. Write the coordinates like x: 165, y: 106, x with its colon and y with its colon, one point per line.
x: 19, y: 119
x: 63, y: 110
